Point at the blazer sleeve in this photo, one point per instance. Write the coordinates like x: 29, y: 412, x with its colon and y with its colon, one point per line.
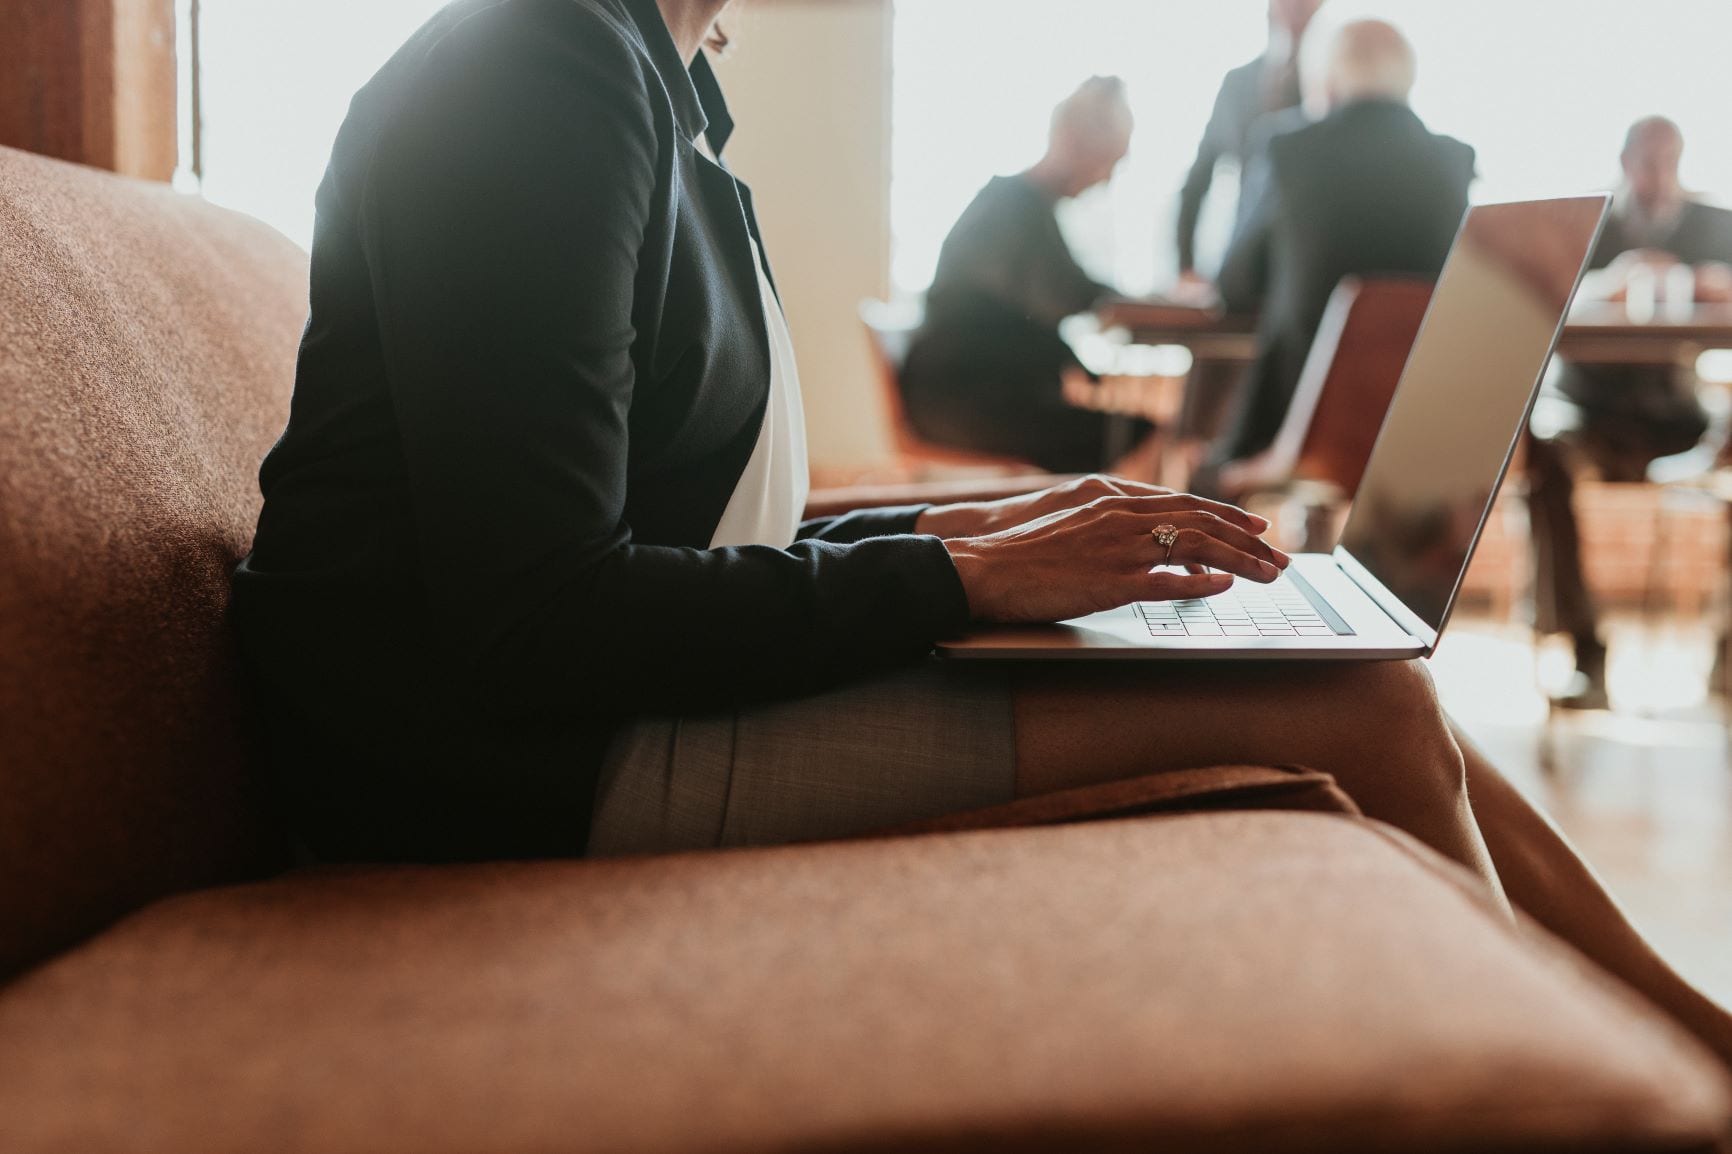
x: 501, y: 219
x: 863, y: 524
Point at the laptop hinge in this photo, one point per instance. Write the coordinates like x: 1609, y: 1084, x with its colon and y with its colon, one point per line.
x: 1409, y: 621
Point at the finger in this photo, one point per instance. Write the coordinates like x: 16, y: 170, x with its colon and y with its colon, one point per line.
x: 1238, y: 538
x: 1165, y: 585
x: 1128, y: 488
x: 1196, y: 547
x: 1188, y: 502
x: 1232, y: 514
x: 1196, y: 568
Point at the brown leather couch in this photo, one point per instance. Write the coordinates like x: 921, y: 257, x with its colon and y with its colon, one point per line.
x: 1255, y: 981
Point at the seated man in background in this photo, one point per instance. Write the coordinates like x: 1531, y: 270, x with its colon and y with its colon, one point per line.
x: 1365, y: 190
x: 987, y: 369
x: 1618, y: 419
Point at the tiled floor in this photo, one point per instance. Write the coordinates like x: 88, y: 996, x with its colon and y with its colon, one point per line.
x: 1645, y: 790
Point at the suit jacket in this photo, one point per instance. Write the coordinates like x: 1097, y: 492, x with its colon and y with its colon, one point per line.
x: 1646, y: 411
x: 534, y: 368
x: 1701, y: 234
x: 1248, y: 93
x: 1366, y: 191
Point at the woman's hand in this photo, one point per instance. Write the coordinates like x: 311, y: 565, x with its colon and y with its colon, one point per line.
x: 1101, y: 555
x: 979, y: 518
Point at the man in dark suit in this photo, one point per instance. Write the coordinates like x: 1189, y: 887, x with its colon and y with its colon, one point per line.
x: 1366, y: 190
x: 1249, y: 92
x: 1616, y: 420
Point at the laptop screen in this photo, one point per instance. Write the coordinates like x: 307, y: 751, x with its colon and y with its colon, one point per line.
x: 1465, y: 394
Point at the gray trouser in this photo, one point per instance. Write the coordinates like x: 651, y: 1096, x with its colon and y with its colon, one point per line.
x: 918, y: 743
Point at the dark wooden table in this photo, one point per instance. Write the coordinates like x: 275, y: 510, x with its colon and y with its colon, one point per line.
x: 1607, y: 334
x: 1594, y: 334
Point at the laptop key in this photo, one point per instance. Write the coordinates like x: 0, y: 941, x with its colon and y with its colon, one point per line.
x: 1253, y: 611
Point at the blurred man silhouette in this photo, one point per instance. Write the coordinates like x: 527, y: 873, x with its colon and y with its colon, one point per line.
x: 1264, y: 87
x: 1249, y: 92
x: 987, y: 369
x: 1366, y: 190
x: 1616, y: 420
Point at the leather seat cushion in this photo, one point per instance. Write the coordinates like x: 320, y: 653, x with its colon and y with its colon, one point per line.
x: 1238, y: 982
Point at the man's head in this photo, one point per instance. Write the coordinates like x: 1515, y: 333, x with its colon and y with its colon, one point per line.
x: 1652, y: 149
x: 1361, y: 60
x: 1091, y: 132
x: 1290, y: 18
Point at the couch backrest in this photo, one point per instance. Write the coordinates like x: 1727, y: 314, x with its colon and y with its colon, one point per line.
x: 147, y: 347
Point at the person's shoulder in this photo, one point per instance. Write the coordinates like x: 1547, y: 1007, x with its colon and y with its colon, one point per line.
x: 1713, y: 217
x: 1004, y: 207
x: 556, y: 50
x: 1291, y: 138
x: 1277, y: 129
x: 1706, y: 230
x: 524, y: 33
x: 1248, y: 74
x: 1458, y: 156
x: 1005, y: 194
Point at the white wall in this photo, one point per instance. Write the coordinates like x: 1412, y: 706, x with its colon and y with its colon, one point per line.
x: 808, y: 82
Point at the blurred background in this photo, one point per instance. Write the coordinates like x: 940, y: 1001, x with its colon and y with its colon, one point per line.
x: 907, y: 107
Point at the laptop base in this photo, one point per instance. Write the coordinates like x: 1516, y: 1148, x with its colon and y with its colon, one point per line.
x: 1124, y: 634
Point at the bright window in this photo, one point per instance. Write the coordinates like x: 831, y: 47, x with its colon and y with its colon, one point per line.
x: 1542, y: 88
x: 276, y: 78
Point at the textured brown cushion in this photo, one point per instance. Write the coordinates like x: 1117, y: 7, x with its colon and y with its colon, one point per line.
x: 146, y: 352
x: 1175, y: 791
x: 1233, y: 982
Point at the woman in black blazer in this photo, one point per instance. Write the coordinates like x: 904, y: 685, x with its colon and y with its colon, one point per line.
x: 488, y: 595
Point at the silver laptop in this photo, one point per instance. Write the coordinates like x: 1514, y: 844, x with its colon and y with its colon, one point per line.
x: 1464, y: 397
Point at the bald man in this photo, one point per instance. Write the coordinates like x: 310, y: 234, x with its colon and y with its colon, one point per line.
x: 1618, y: 419
x: 987, y: 369
x: 1367, y: 190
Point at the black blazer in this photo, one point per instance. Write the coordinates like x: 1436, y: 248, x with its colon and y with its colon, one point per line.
x: 534, y: 368
x: 1702, y: 234
x: 1248, y: 93
x: 1366, y: 191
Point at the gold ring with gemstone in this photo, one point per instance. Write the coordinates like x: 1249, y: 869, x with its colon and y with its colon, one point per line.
x: 1166, y: 535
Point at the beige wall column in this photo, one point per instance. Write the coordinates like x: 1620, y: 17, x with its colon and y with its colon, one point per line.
x: 91, y: 81
x: 808, y: 82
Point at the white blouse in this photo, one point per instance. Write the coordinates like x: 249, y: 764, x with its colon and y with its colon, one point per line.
x: 770, y: 496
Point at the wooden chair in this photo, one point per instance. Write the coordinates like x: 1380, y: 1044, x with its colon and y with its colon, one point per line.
x: 1348, y: 381
x: 890, y: 331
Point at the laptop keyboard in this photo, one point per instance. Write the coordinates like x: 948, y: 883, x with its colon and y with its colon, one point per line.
x: 1246, y: 610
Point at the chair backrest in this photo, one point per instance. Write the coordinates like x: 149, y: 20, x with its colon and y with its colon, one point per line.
x: 1349, y: 380
x: 890, y: 331
x: 147, y: 348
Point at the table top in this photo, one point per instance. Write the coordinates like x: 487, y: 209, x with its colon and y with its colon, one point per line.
x: 1596, y: 332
